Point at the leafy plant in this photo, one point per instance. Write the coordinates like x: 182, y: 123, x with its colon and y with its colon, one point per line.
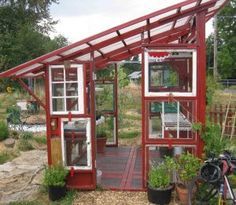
x: 212, y: 86
x: 160, y: 175
x: 4, y: 132
x: 55, y: 176
x: 101, y: 132
x: 211, y: 136
x: 187, y: 168
x: 13, y: 114
x: 197, y: 126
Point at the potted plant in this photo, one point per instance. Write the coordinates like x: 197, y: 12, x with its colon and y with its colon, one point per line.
x: 54, y: 179
x: 188, y: 167
x: 159, y: 182
x: 101, y: 139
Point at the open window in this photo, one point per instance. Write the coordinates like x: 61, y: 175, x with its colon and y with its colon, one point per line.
x: 76, y: 143
x: 170, y: 71
x: 67, y: 89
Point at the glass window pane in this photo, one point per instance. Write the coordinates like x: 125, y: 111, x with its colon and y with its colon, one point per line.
x: 58, y: 89
x: 57, y: 74
x: 71, y: 74
x: 75, y: 143
x: 71, y: 89
x: 58, y: 104
x: 72, y: 104
x: 170, y: 71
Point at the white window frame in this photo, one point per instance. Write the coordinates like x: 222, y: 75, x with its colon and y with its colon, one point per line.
x: 88, y: 142
x: 166, y: 94
x: 80, y: 83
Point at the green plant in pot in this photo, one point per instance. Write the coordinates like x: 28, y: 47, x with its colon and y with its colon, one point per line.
x: 101, y: 138
x: 55, y: 180
x: 159, y: 182
x: 188, y: 167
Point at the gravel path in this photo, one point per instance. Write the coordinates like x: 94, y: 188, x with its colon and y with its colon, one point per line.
x: 112, y: 198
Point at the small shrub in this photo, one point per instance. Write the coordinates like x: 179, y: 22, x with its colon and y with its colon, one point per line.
x: 4, y: 132
x: 13, y: 114
x: 55, y: 176
x: 24, y: 145
x: 211, y: 136
x: 26, y: 135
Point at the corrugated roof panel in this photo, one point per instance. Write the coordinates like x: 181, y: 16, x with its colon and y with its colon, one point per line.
x: 188, y: 6
x: 96, y: 54
x: 156, y: 18
x: 85, y: 57
x: 204, y: 1
x: 133, y: 39
x: 112, y: 47
x: 28, y: 68
x: 75, y: 49
x: 181, y: 22
x: 161, y: 29
x: 218, y: 4
x: 51, y: 59
x: 132, y: 27
x: 103, y: 38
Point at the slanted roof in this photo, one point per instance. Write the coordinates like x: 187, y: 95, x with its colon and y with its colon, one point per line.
x: 121, y: 42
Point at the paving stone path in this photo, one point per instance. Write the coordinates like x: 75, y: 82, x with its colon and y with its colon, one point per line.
x: 21, y: 178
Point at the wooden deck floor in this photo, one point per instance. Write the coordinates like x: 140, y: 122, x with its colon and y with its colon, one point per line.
x: 121, y: 168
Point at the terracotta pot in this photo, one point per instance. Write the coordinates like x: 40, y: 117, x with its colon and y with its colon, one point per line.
x: 183, y: 194
x: 101, y: 144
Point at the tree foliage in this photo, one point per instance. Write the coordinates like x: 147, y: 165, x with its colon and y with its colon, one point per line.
x: 24, y: 28
x: 227, y: 41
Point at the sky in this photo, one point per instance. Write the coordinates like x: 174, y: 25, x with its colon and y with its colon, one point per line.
x: 78, y: 19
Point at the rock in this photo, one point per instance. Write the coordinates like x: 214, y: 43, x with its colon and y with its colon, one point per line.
x: 21, y: 178
x: 9, y: 142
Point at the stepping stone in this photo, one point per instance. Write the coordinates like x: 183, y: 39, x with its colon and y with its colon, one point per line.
x: 9, y: 143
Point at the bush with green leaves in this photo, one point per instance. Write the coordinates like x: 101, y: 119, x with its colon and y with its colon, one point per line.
x: 213, y: 143
x: 159, y: 176
x: 188, y: 167
x: 13, y: 114
x: 4, y: 132
x: 55, y: 176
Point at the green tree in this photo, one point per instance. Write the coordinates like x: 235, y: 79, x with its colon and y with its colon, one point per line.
x: 227, y: 40
x: 24, y: 28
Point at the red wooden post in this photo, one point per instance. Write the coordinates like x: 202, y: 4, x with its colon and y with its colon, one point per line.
x: 201, y: 74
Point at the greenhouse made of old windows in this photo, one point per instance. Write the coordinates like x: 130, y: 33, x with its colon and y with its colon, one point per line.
x: 171, y: 42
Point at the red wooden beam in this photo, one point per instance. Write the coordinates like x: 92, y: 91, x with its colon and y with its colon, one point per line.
x: 31, y: 93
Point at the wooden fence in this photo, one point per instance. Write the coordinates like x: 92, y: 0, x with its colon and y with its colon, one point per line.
x: 217, y: 114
